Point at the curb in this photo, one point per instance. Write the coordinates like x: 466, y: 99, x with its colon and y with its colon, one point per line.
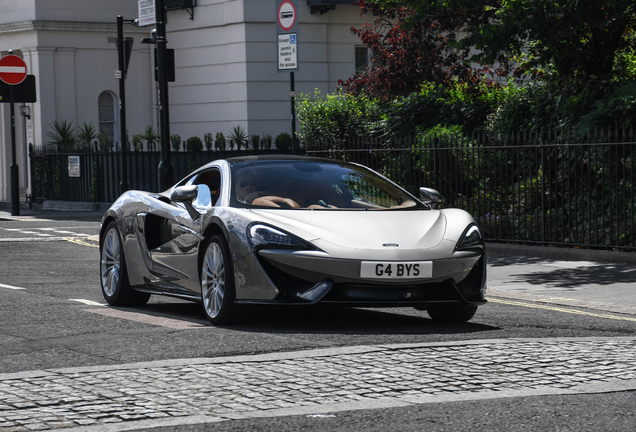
x: 564, y: 254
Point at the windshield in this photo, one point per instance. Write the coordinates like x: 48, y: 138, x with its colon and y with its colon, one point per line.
x: 315, y: 185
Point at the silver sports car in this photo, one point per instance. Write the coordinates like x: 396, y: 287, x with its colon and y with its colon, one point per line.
x: 286, y: 230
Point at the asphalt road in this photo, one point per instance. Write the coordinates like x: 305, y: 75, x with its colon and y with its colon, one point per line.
x: 52, y: 315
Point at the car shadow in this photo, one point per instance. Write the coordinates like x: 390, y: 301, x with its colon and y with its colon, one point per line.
x: 570, y: 278
x: 323, y: 319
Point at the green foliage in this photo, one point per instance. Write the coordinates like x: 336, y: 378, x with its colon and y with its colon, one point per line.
x: 62, y: 135
x: 283, y: 142
x: 619, y: 108
x: 267, y: 141
x: 336, y: 117
x: 209, y: 141
x: 574, y: 38
x: 85, y: 136
x: 104, y: 143
x: 255, y: 141
x: 58, y: 179
x: 194, y: 144
x: 95, y: 192
x: 558, y: 102
x: 220, y: 141
x: 175, y: 142
x: 137, y: 142
x: 238, y: 136
x: 151, y: 137
x: 341, y: 117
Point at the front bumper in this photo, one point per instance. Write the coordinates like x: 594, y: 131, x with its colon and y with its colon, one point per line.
x: 308, y: 278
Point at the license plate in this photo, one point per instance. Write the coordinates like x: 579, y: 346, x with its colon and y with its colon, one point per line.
x: 396, y: 270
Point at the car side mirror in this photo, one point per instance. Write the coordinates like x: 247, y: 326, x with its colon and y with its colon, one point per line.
x: 185, y: 195
x: 431, y: 197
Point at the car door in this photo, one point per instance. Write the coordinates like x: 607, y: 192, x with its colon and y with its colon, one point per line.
x: 176, y: 237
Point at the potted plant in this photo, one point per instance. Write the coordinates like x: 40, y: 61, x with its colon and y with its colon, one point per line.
x: 194, y: 144
x: 220, y: 141
x: 209, y: 141
x: 238, y: 136
x: 283, y: 142
x: 175, y: 141
x: 62, y: 135
x: 85, y: 136
x: 151, y: 137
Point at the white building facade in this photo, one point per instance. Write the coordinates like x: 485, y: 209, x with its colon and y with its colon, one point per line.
x: 225, y: 67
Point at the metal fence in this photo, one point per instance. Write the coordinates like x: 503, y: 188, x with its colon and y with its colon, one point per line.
x: 556, y: 188
x: 100, y: 172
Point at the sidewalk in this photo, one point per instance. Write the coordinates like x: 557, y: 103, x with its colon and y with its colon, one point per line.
x: 600, y: 280
x: 57, y: 210
x: 210, y: 390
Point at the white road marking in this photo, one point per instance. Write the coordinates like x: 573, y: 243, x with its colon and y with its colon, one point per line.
x: 149, y: 319
x: 50, y: 230
x: 88, y: 302
x: 34, y: 239
x: 11, y: 287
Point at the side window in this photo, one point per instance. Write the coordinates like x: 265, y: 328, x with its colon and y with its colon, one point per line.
x: 211, y: 179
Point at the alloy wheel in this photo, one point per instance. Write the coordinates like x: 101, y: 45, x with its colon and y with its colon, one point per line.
x: 213, y: 280
x: 111, y: 262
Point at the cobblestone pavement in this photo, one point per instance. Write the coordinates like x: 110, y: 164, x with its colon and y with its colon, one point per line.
x: 191, y: 391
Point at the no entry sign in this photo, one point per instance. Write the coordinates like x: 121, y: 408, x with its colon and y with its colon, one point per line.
x: 13, y: 69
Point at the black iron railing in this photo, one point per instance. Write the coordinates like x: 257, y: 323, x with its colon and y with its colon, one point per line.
x: 100, y: 172
x: 565, y: 188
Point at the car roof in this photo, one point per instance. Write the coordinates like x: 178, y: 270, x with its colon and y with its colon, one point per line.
x: 277, y: 157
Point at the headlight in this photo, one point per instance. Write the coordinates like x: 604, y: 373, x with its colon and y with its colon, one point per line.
x: 262, y: 235
x: 470, y: 238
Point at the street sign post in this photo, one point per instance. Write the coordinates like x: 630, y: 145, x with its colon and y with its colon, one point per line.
x: 287, y: 50
x: 13, y: 71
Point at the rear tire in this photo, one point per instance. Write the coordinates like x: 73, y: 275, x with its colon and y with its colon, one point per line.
x: 217, y: 284
x: 452, y: 313
x: 116, y: 288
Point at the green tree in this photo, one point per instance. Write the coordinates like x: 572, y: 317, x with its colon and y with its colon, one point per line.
x: 572, y: 37
x: 408, y: 50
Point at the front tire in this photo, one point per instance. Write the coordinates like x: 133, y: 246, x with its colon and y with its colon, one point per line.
x: 116, y: 288
x: 217, y: 284
x: 452, y: 313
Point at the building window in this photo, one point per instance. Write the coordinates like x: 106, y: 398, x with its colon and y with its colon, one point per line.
x: 362, y: 58
x: 107, y: 117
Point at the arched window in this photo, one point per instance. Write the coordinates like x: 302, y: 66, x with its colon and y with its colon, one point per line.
x: 107, y: 116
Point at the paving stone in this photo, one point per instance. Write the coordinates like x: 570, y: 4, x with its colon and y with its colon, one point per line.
x: 218, y: 389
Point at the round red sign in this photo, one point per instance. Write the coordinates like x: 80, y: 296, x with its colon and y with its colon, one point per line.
x: 286, y: 15
x: 13, y: 69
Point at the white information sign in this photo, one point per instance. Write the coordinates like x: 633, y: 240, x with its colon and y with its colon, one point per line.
x: 73, y: 166
x: 147, y: 14
x: 287, y: 52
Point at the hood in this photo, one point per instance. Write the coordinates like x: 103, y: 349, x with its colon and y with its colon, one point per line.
x: 409, y: 229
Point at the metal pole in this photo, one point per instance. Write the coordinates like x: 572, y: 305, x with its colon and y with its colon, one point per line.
x: 293, y: 112
x: 123, y: 185
x: 165, y: 169
x: 15, y: 176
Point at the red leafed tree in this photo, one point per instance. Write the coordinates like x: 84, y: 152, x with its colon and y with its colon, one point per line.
x: 407, y: 51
